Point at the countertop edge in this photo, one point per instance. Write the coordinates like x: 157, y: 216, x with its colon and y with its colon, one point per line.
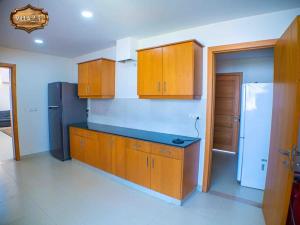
x: 137, y: 138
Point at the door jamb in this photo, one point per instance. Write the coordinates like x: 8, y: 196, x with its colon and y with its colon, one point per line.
x: 210, y: 106
x: 14, y: 111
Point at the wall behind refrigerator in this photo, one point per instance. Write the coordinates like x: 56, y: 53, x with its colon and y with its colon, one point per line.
x: 257, y: 66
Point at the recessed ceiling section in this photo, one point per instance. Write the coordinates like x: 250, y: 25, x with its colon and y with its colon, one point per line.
x: 70, y: 34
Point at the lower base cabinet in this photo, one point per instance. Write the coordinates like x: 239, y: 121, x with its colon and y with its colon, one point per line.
x: 169, y: 170
x: 166, y: 176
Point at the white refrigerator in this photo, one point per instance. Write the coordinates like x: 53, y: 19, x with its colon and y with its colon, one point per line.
x: 255, y: 130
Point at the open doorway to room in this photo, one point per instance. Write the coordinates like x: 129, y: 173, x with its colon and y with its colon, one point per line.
x: 9, y: 135
x: 240, y: 90
x: 242, y: 126
x: 6, y: 131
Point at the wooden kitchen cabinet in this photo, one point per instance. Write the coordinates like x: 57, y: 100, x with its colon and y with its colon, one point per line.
x: 106, y: 143
x: 96, y: 79
x: 150, y: 72
x: 77, y: 144
x: 119, y: 157
x: 169, y: 170
x: 166, y: 175
x: 138, y: 167
x: 171, y: 71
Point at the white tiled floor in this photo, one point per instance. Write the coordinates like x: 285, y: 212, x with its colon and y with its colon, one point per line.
x: 6, y: 149
x: 224, y: 180
x: 41, y: 190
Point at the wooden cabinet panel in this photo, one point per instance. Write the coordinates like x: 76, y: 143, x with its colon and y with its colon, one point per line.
x: 137, y: 167
x: 134, y: 144
x: 178, y: 69
x: 83, y: 79
x: 94, y: 76
x: 106, y: 145
x: 77, y: 145
x: 166, y: 175
x: 96, y: 79
x: 91, y: 148
x: 150, y: 72
x: 167, y: 151
x: 107, y: 78
x: 119, y: 157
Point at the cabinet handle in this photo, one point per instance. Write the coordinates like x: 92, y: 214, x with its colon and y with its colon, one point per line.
x: 147, y: 161
x: 163, y: 151
x: 165, y: 86
x: 152, y: 163
x: 158, y: 86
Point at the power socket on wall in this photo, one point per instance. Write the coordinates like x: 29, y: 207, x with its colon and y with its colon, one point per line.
x: 194, y: 116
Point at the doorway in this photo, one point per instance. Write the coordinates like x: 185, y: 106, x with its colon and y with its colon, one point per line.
x: 243, y: 112
x: 9, y: 135
x: 6, y: 132
x: 210, y: 119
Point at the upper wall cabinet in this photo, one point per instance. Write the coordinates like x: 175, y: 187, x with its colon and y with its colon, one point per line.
x: 171, y: 71
x: 96, y: 79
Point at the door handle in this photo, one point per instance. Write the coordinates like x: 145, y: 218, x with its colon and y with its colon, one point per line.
x: 285, y: 152
x: 236, y: 118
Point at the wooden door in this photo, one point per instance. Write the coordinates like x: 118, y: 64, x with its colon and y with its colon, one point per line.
x: 166, y: 175
x: 94, y: 78
x: 227, y: 111
x: 178, y: 69
x: 138, y: 167
x: 106, y: 145
x: 150, y: 72
x: 285, y: 126
x: 119, y: 157
x: 83, y: 79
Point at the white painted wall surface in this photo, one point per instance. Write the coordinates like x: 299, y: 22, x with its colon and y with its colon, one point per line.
x: 4, y: 89
x: 172, y: 116
x: 259, y: 69
x: 34, y: 72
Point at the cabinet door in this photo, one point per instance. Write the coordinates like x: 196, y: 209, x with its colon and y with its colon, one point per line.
x: 178, y: 69
x: 137, y: 167
x: 91, y: 148
x: 83, y: 79
x: 106, y: 145
x: 150, y: 72
x: 107, y: 83
x: 119, y: 157
x: 166, y: 175
x: 77, y: 146
x: 94, y: 78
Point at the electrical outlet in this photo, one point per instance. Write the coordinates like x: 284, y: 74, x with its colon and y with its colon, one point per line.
x: 194, y: 116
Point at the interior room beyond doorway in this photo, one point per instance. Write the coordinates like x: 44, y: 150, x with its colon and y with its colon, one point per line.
x: 6, y: 131
x: 243, y: 99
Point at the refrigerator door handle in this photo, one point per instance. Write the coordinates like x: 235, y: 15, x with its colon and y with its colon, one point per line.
x: 53, y: 107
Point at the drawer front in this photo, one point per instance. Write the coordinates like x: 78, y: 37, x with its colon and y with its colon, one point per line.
x: 138, y: 145
x: 83, y: 132
x: 167, y: 151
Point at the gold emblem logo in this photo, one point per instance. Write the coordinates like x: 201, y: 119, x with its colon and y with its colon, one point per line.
x: 29, y: 18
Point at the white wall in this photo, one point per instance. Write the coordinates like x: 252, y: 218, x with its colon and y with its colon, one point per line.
x: 4, y: 89
x: 34, y: 72
x: 254, y: 68
x: 172, y: 116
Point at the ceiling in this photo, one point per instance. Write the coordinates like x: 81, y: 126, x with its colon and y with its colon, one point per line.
x: 68, y: 34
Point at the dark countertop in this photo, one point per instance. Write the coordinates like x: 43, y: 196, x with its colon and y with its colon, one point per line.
x: 150, y: 136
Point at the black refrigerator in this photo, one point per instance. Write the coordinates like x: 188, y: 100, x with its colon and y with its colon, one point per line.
x: 64, y: 108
